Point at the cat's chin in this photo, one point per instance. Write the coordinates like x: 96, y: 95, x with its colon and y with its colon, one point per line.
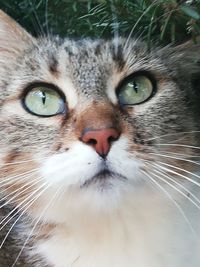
x: 103, y: 180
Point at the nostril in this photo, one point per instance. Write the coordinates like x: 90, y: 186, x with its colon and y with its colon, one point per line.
x: 112, y: 139
x: 92, y: 142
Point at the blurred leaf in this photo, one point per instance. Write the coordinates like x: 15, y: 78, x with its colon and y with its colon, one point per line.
x: 160, y: 21
x: 191, y: 12
x: 163, y: 31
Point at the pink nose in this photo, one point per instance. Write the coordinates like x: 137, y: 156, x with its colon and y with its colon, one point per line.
x: 100, y: 140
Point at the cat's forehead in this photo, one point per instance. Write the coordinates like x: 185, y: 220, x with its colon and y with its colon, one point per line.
x: 88, y: 64
x: 87, y: 52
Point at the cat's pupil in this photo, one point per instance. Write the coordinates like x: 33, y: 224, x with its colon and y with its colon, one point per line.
x: 43, y: 95
x: 135, y: 86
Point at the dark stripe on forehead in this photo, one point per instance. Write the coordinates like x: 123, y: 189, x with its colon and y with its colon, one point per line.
x: 117, y: 55
x: 97, y: 50
x: 53, y: 65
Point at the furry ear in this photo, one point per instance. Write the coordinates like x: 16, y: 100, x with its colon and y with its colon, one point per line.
x: 184, y: 63
x: 184, y: 58
x: 13, y: 38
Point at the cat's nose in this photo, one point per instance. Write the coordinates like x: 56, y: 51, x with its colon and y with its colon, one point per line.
x: 100, y: 140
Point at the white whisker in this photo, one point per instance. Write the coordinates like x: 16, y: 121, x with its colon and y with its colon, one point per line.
x: 37, y: 18
x: 23, y: 161
x: 172, y: 134
x: 20, y: 205
x: 36, y: 223
x: 46, y: 17
x: 173, y: 201
x: 137, y: 22
x: 180, y: 169
x: 178, y: 145
x: 23, y: 212
x: 18, y: 176
x: 9, y: 185
x: 177, y: 174
x: 115, y: 26
x: 177, y: 158
x: 27, y: 186
x: 175, y: 188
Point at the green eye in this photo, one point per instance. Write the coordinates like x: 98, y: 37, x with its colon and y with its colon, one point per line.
x: 135, y: 91
x: 44, y: 101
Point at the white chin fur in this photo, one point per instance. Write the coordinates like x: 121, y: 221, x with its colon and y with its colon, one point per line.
x: 70, y: 170
x: 80, y: 163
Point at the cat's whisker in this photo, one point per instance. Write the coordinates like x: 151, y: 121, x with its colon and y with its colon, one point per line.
x: 178, y: 174
x: 18, y: 176
x: 46, y: 18
x: 176, y: 158
x: 171, y: 134
x: 14, y: 212
x: 38, y: 23
x: 168, y: 152
x: 137, y: 22
x: 11, y: 185
x: 168, y: 195
x: 166, y: 176
x: 19, y: 207
x: 23, y: 213
x: 16, y: 179
x: 178, y: 168
x: 178, y: 145
x: 37, y: 222
x: 21, y: 190
x: 115, y: 27
x: 23, y: 161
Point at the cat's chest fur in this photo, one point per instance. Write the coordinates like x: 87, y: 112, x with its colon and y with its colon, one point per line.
x: 137, y: 235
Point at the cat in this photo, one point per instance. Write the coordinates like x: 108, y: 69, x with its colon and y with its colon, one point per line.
x: 99, y: 144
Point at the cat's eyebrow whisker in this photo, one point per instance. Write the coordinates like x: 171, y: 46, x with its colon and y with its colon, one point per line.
x: 20, y: 205
x: 173, y: 201
x: 177, y: 158
x: 41, y: 31
x: 22, y: 213
x: 27, y: 186
x: 137, y: 22
x: 36, y: 223
x: 46, y: 18
x: 115, y: 27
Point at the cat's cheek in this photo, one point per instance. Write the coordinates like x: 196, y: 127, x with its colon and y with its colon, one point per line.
x: 72, y: 167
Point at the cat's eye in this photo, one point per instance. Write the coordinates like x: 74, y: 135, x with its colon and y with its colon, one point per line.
x: 44, y: 101
x: 135, y: 90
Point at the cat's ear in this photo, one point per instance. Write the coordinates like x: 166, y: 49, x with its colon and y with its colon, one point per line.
x: 13, y: 38
x: 185, y: 58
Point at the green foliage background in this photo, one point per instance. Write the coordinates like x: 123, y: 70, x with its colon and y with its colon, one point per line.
x: 157, y: 21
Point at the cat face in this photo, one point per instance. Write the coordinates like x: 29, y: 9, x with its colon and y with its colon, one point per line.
x: 87, y: 123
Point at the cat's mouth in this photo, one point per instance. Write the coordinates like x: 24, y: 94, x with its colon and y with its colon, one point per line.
x: 103, y: 178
